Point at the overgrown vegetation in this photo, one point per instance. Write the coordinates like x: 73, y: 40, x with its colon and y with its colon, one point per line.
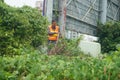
x: 22, y: 30
x: 20, y: 27
x: 35, y: 66
x: 109, y: 36
x: 67, y: 47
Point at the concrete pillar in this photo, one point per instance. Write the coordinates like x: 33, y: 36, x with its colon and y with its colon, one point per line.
x: 49, y: 9
x: 103, y: 14
x: 62, y: 16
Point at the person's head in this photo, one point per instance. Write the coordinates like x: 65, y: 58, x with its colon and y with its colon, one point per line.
x: 54, y: 23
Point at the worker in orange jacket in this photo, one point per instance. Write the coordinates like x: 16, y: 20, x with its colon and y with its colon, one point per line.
x: 53, y: 32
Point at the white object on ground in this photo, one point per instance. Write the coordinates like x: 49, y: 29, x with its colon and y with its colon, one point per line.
x: 92, y: 48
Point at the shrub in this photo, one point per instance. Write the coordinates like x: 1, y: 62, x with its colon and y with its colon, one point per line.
x: 109, y: 35
x: 67, y: 47
x: 35, y: 66
x: 20, y: 27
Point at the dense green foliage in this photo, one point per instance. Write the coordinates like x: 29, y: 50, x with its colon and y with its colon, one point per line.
x: 24, y: 29
x: 109, y: 36
x: 35, y: 66
x: 20, y: 27
x: 67, y: 47
x: 1, y: 0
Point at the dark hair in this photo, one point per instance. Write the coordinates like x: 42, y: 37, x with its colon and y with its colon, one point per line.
x: 53, y: 21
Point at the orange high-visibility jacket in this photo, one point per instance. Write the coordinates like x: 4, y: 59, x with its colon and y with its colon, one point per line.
x: 53, y: 37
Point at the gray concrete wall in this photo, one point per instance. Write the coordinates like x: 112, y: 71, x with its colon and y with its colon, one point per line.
x: 82, y: 15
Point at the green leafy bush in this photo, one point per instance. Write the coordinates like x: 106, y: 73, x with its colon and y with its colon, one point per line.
x: 66, y: 47
x: 20, y: 27
x: 109, y: 36
x: 35, y: 66
x: 71, y: 47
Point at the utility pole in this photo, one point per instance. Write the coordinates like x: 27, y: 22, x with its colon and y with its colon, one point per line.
x: 62, y: 16
x: 48, y: 9
x: 103, y: 14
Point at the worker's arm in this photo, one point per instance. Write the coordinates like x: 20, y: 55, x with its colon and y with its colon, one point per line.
x: 50, y: 33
